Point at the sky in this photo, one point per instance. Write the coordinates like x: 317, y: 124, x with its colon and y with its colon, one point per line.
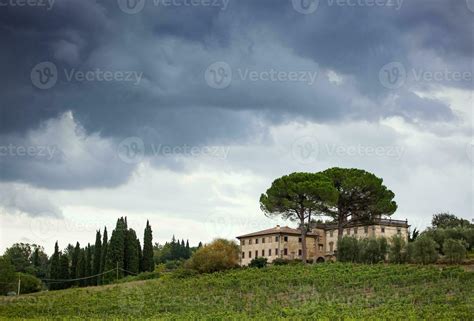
x: 183, y: 112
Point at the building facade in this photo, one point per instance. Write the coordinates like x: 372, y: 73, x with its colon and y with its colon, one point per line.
x: 321, y: 242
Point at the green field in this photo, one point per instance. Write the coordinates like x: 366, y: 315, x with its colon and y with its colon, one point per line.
x: 292, y: 292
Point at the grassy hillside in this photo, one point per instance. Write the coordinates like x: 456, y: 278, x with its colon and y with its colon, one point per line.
x: 293, y: 292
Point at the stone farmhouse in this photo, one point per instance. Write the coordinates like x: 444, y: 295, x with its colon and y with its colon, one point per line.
x: 321, y: 242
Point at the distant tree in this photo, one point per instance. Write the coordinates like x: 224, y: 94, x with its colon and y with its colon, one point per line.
x: 217, y: 256
x: 75, y: 262
x: 397, y: 250
x: 103, y: 255
x: 81, y: 267
x: 454, y: 250
x: 447, y: 220
x: 200, y: 244
x: 424, y: 250
x: 298, y: 197
x: 55, y: 268
x: 347, y: 249
x: 97, y: 256
x: 39, y: 261
x: 148, y: 262
x: 361, y: 197
x: 88, y: 265
x: 115, y: 251
x: 414, y: 234
x: 64, y: 273
x: 29, y: 283
x: 258, y: 262
x: 132, y: 253
x: 8, y: 277
x: 19, y: 255
x: 188, y: 250
x: 372, y: 250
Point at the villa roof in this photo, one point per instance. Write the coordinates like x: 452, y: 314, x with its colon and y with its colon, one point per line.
x: 277, y: 230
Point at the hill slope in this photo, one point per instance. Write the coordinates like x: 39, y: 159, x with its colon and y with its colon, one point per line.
x: 326, y: 290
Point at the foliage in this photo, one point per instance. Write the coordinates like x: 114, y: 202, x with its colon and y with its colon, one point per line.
x: 447, y: 220
x: 366, y: 250
x: 397, y: 251
x: 97, y: 256
x: 258, y: 262
x: 29, y: 283
x: 362, y: 197
x: 148, y: 262
x: 217, y: 256
x: 7, y: 276
x: 454, y: 250
x: 280, y: 261
x: 172, y: 251
x: 414, y: 234
x: 298, y: 197
x: 424, y: 250
x: 324, y: 291
x: 347, y: 249
x: 28, y: 258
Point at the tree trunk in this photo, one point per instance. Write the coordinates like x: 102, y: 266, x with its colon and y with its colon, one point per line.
x: 303, y: 242
x: 340, y: 225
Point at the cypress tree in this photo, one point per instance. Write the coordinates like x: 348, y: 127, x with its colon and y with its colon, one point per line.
x: 97, y: 256
x: 199, y: 245
x: 75, y: 262
x: 103, y: 255
x: 148, y: 263
x: 88, y: 264
x: 140, y: 256
x: 188, y: 250
x: 64, y: 271
x: 54, y: 271
x: 132, y: 256
x: 115, y: 251
x: 81, y: 267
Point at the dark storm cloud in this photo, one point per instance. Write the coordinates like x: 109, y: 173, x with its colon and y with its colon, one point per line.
x: 172, y: 46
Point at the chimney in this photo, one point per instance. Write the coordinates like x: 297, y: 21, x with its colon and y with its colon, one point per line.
x: 278, y: 227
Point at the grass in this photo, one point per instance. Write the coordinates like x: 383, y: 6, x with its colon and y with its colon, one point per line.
x: 325, y: 291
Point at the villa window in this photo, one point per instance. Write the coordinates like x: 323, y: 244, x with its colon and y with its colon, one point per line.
x: 269, y: 252
x: 243, y: 242
x: 277, y: 238
x: 250, y: 254
x: 285, y: 252
x: 299, y: 240
x: 276, y: 252
x: 263, y: 240
x: 355, y: 230
x: 256, y: 241
x: 321, y: 247
x: 256, y: 253
x: 285, y: 238
x: 300, y: 252
x: 263, y: 252
x: 399, y: 231
x: 331, y: 246
x: 331, y: 233
x: 383, y: 229
x: 366, y: 229
x: 250, y: 242
x: 243, y: 255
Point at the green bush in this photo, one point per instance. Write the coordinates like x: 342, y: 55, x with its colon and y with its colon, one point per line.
x: 397, y: 250
x: 424, y: 250
x: 258, y: 262
x: 454, y: 250
x: 183, y: 273
x: 217, y: 256
x: 280, y: 261
x: 372, y: 250
x: 347, y: 249
x: 29, y: 283
x: 8, y: 277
